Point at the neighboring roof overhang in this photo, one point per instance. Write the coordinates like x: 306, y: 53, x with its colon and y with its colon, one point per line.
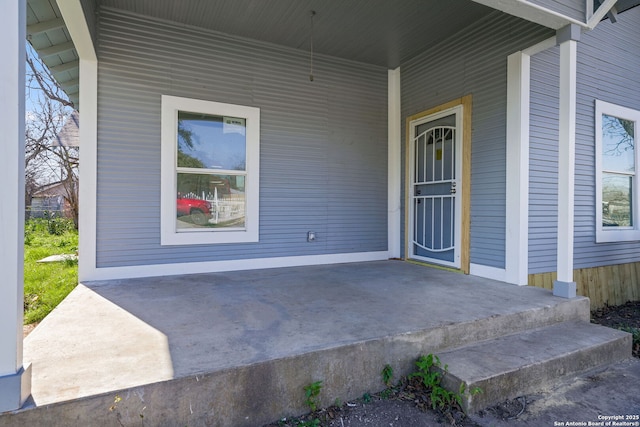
x: 370, y: 31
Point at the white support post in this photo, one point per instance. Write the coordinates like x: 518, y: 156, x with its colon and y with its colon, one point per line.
x: 394, y: 163
x: 564, y: 286
x: 15, y: 379
x: 88, y: 168
x: 517, y: 190
x: 74, y: 18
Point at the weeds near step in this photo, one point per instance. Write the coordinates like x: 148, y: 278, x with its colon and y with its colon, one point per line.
x: 422, y: 387
x: 311, y: 393
x: 430, y: 377
x: 430, y: 373
x: 387, y: 375
x: 635, y: 332
x: 635, y: 338
x: 309, y: 423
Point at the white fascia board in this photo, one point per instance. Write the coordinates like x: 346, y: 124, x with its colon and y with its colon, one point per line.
x: 532, y: 12
x: 130, y: 272
x: 394, y: 167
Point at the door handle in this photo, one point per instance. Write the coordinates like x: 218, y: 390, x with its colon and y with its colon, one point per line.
x: 453, y: 188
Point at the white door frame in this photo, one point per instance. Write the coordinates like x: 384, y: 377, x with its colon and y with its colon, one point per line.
x: 458, y: 150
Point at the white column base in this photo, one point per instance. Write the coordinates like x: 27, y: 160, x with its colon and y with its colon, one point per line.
x: 15, y: 389
x: 564, y: 289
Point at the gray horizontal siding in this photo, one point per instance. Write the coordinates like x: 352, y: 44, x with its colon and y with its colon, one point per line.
x: 323, y: 143
x: 609, y: 70
x: 475, y: 62
x: 543, y: 161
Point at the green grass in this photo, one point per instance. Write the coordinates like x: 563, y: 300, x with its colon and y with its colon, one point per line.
x: 47, y: 284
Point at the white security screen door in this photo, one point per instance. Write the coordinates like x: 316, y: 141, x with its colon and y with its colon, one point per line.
x: 435, y: 193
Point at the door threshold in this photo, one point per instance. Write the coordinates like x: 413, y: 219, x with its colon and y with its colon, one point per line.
x: 433, y: 265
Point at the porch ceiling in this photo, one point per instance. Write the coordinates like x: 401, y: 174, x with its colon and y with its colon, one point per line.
x: 379, y: 32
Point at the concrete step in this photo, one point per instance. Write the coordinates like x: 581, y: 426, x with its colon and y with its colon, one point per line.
x: 514, y: 365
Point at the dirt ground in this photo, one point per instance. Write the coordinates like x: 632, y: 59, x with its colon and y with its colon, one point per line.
x: 407, y: 406
x: 620, y: 317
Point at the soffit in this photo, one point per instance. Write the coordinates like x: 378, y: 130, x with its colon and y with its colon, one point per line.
x: 379, y: 32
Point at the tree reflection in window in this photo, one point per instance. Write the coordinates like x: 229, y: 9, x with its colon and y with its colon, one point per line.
x: 618, y: 171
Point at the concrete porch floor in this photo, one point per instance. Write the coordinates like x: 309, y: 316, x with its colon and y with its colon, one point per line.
x: 110, y: 337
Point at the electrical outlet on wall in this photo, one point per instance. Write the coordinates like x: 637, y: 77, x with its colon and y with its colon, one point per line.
x: 311, y: 236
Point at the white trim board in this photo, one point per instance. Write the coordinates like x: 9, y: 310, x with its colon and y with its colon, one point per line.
x: 130, y: 272
x: 487, y: 272
x: 169, y: 235
x: 394, y: 142
x: 619, y: 233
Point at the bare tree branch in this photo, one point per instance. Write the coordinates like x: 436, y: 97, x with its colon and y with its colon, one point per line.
x: 47, y: 83
x: 47, y: 161
x: 621, y: 131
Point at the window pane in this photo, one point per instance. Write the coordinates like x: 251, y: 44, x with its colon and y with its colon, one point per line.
x: 617, y: 200
x: 618, y: 144
x: 210, y: 201
x: 211, y: 142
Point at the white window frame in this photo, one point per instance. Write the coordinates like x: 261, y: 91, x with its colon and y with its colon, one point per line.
x: 623, y: 234
x: 170, y: 105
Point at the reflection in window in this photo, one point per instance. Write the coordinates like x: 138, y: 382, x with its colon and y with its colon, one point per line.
x: 618, y: 171
x: 617, y: 199
x: 211, y: 144
x: 617, y: 203
x: 210, y: 201
x: 210, y: 172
